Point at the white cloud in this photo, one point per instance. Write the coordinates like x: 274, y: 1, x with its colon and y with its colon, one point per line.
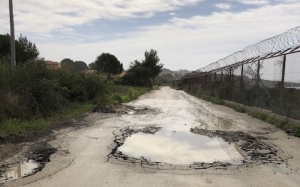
x: 253, y: 2
x: 181, y: 43
x: 224, y: 6
x: 190, y: 43
x: 47, y: 16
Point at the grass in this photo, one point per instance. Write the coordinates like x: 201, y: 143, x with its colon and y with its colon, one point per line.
x: 122, y: 94
x: 19, y: 127
x: 289, y: 127
x: 115, y: 94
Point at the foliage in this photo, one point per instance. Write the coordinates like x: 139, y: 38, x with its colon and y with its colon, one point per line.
x: 68, y: 64
x: 107, y: 63
x: 288, y: 127
x: 25, y: 50
x: 143, y: 73
x: 33, y: 90
x: 27, y: 127
x: 120, y: 94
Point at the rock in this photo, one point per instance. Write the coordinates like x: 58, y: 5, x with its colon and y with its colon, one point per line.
x: 264, y: 151
x: 183, y: 167
x: 150, y: 166
x: 166, y: 167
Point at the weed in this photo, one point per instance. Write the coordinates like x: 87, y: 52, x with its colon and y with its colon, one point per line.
x: 15, y: 126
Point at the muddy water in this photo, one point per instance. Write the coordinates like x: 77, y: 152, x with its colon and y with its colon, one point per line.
x: 175, y: 144
x: 22, y: 170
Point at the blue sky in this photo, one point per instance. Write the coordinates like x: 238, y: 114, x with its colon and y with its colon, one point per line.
x: 188, y: 34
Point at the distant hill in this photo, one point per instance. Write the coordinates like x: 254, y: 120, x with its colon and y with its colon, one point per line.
x: 167, y: 75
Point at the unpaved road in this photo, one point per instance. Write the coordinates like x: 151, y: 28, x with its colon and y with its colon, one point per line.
x: 81, y: 159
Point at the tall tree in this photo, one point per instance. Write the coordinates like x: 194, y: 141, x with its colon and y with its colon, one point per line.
x: 25, y: 50
x: 66, y: 63
x: 80, y: 66
x: 107, y: 63
x: 69, y: 64
x: 143, y: 73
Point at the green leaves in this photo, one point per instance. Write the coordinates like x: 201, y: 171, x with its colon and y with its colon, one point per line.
x: 26, y: 51
x: 143, y: 73
x: 107, y: 63
x: 68, y: 64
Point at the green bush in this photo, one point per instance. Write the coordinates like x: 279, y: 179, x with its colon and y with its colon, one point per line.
x: 216, y: 100
x: 32, y: 90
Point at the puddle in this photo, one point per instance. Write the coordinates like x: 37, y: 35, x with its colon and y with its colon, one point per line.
x: 22, y: 170
x: 175, y: 144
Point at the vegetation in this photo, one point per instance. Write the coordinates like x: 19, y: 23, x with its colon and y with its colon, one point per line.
x: 166, y: 77
x: 34, y: 98
x: 14, y: 126
x: 108, y: 64
x: 25, y: 50
x: 286, y: 125
x: 121, y: 94
x: 69, y: 64
x: 143, y: 73
x: 32, y: 90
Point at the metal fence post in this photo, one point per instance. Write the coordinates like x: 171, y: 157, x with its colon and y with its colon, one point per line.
x: 283, y: 71
x: 222, y: 75
x: 215, y: 76
x: 282, y: 83
x: 242, y: 76
x: 257, y: 77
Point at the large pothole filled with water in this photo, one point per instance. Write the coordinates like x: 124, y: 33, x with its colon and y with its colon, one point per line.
x: 35, y: 162
x: 170, y: 147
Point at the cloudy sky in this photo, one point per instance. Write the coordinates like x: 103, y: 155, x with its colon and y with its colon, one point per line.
x: 188, y: 34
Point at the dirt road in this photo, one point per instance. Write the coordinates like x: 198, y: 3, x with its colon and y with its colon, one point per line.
x: 81, y: 159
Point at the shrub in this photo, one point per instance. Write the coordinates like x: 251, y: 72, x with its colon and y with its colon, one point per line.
x: 32, y: 90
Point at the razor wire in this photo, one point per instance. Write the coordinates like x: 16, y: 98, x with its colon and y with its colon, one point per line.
x: 278, y: 45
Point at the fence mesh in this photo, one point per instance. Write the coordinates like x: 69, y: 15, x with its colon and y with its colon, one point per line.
x: 265, y: 75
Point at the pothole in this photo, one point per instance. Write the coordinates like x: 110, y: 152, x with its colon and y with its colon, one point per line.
x: 182, y: 147
x: 35, y: 162
x: 123, y: 109
x: 23, y: 169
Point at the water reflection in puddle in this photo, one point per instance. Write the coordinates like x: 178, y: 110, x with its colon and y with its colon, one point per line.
x: 175, y: 144
x: 22, y: 170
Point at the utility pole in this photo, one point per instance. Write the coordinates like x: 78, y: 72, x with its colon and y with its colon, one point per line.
x: 12, y: 34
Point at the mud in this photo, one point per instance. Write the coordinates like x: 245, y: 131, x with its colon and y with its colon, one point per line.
x: 123, y: 109
x: 93, y: 149
x: 34, y: 162
x: 32, y: 150
x: 253, y: 151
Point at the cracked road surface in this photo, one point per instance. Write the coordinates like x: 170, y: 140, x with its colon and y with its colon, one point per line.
x: 81, y: 159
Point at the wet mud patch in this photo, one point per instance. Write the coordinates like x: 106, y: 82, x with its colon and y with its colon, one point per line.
x: 35, y: 161
x: 123, y: 109
x: 242, y: 150
x: 254, y: 150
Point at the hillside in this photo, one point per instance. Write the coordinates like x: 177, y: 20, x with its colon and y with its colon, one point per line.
x: 168, y: 75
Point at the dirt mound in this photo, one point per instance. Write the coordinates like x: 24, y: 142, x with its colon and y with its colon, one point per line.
x: 105, y: 108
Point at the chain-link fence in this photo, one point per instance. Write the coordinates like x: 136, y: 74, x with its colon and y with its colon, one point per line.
x: 265, y: 75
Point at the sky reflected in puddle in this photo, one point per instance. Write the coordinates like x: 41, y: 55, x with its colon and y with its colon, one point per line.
x: 175, y: 144
x: 22, y: 170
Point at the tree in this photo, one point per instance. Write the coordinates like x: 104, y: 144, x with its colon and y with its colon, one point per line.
x: 25, y: 50
x: 143, y: 73
x: 80, y: 66
x: 66, y: 63
x: 107, y: 63
x: 71, y: 65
